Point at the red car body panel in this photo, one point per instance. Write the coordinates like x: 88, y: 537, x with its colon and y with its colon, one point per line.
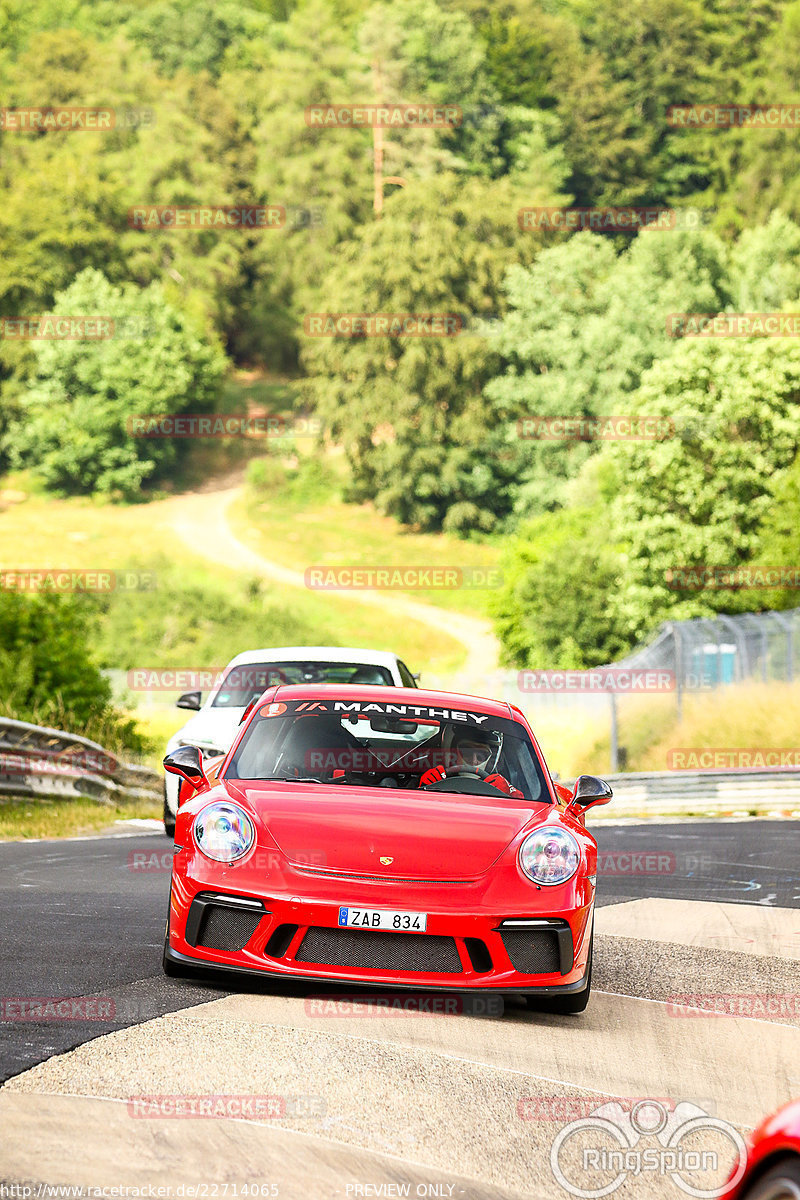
x: 453, y: 857
x: 776, y: 1138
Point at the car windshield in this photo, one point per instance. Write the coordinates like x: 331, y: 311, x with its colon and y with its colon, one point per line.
x: 248, y: 681
x: 382, y: 744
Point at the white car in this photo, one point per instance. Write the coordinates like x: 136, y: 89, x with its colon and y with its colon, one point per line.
x: 251, y: 673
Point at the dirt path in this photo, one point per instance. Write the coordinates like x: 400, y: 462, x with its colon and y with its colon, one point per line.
x: 201, y: 520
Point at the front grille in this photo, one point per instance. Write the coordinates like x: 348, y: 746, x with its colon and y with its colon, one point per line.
x: 380, y: 951
x: 226, y: 928
x: 532, y: 952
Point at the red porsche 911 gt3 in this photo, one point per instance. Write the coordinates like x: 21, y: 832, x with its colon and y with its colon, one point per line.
x: 406, y: 840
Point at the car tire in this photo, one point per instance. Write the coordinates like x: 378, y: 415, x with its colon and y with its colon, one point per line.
x: 572, y: 1002
x: 781, y: 1182
x: 169, y: 818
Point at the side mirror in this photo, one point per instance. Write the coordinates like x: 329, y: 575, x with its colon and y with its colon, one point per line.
x: 189, y: 700
x: 589, y: 791
x: 187, y: 764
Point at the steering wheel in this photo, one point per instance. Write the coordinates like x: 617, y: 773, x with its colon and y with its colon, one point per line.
x: 470, y: 772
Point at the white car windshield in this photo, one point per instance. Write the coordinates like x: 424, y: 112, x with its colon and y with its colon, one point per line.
x: 250, y: 680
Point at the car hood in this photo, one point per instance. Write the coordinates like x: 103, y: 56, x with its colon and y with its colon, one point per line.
x: 422, y: 835
x: 211, y: 727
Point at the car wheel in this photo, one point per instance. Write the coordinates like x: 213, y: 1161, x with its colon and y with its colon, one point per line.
x: 573, y: 1002
x: 169, y: 818
x: 781, y: 1182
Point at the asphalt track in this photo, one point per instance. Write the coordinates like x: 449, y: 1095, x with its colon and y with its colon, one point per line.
x: 689, y: 912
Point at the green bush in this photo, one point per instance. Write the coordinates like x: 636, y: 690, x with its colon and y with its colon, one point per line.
x: 48, y: 674
x: 77, y: 430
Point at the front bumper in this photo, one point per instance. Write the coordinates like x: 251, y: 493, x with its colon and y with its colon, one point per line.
x: 281, y: 922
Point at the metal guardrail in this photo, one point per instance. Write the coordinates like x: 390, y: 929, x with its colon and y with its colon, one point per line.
x: 663, y: 792
x: 38, y: 761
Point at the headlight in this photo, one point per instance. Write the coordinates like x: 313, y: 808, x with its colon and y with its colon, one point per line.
x: 549, y: 856
x: 224, y: 832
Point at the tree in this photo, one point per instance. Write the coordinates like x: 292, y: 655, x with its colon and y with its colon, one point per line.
x: 47, y: 673
x: 698, y: 498
x: 410, y: 410
x: 553, y: 610
x: 583, y: 325
x: 77, y: 429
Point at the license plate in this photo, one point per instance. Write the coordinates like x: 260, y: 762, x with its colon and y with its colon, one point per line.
x: 383, y: 918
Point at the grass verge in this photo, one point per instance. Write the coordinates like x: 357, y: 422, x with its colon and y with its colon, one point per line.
x: 22, y: 819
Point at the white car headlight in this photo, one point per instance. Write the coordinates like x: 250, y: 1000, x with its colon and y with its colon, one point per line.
x: 224, y: 831
x: 549, y: 856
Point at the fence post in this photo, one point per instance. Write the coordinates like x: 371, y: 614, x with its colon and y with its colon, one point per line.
x: 678, y: 668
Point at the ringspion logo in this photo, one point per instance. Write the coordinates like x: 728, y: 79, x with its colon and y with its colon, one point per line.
x: 595, y: 1154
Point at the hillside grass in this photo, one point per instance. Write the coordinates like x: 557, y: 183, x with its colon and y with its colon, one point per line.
x: 292, y: 510
x: 41, y: 531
